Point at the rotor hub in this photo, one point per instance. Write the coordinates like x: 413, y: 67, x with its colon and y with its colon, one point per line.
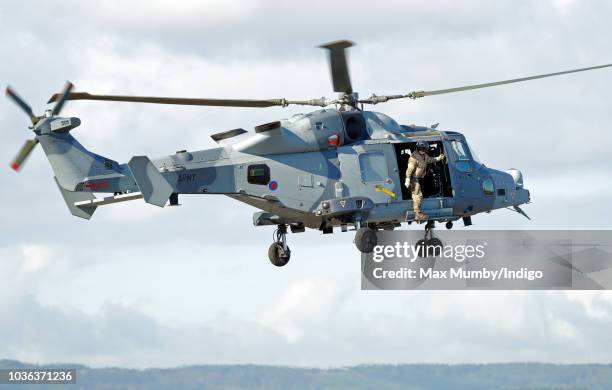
x: 349, y: 101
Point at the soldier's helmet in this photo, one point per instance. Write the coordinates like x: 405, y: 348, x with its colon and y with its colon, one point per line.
x: 422, y: 145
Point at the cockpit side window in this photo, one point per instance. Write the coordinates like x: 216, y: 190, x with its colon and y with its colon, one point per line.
x: 488, y: 187
x: 472, y: 152
x: 460, y: 149
x: 463, y: 160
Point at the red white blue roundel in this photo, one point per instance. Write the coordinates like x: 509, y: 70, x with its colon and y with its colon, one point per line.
x: 273, y: 185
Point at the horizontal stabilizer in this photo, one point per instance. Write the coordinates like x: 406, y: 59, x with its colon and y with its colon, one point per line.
x: 109, y: 200
x: 154, y: 187
x: 72, y: 197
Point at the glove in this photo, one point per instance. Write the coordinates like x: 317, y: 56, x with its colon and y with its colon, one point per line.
x: 407, y: 182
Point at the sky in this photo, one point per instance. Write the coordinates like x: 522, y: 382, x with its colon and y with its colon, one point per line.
x: 139, y: 286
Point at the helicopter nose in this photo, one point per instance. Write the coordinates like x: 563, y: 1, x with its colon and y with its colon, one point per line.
x: 517, y: 177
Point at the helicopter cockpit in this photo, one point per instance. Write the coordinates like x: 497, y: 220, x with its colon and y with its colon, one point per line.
x: 463, y: 157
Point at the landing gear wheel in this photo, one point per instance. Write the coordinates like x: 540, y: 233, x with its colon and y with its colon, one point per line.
x: 421, y: 248
x: 429, y: 246
x: 279, y: 252
x: 434, y: 247
x: 365, y: 240
x: 277, y: 255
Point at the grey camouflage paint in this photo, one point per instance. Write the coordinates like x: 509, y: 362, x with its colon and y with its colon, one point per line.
x: 317, y: 184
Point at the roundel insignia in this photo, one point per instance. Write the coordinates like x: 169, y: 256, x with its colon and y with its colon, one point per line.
x: 273, y: 185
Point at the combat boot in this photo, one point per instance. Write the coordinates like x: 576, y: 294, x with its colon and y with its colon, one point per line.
x: 419, y: 216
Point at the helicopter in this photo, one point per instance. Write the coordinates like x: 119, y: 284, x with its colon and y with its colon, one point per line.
x: 340, y: 166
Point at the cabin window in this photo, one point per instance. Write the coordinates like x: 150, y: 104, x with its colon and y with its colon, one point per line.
x: 487, y: 187
x: 373, y: 166
x: 258, y: 174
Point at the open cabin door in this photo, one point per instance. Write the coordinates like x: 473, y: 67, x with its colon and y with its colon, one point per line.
x: 436, y: 186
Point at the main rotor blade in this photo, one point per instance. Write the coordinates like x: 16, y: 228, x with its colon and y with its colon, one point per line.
x: 21, y: 103
x: 62, y: 99
x: 191, y: 101
x: 419, y: 94
x: 23, y: 154
x: 338, y: 65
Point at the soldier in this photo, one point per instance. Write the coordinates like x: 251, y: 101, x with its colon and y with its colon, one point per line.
x: 416, y: 171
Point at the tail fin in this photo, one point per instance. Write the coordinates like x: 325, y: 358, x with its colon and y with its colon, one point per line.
x: 78, y: 169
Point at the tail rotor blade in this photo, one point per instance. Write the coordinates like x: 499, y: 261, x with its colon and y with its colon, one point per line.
x: 62, y: 99
x: 11, y: 94
x: 23, y: 154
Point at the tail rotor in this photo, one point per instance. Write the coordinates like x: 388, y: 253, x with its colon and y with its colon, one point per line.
x: 62, y: 100
x: 29, y: 145
x: 11, y: 94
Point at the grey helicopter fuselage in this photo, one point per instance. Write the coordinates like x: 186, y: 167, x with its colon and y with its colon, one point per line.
x: 318, y: 170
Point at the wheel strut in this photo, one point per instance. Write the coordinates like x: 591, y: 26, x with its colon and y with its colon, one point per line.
x: 429, y: 226
x: 429, y: 245
x: 281, y: 236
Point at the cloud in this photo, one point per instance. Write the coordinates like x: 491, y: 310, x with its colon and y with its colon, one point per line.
x: 304, y: 303
x: 424, y: 327
x: 35, y: 257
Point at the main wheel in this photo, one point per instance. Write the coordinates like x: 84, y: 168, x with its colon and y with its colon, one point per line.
x: 365, y: 240
x: 429, y: 248
x: 434, y: 247
x: 277, y: 255
x: 421, y: 248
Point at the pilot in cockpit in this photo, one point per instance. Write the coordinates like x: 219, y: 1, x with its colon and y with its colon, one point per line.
x: 416, y: 171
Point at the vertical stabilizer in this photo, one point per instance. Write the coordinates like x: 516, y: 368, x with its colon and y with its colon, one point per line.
x: 154, y: 187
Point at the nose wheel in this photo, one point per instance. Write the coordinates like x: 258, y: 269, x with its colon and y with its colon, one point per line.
x: 279, y: 252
